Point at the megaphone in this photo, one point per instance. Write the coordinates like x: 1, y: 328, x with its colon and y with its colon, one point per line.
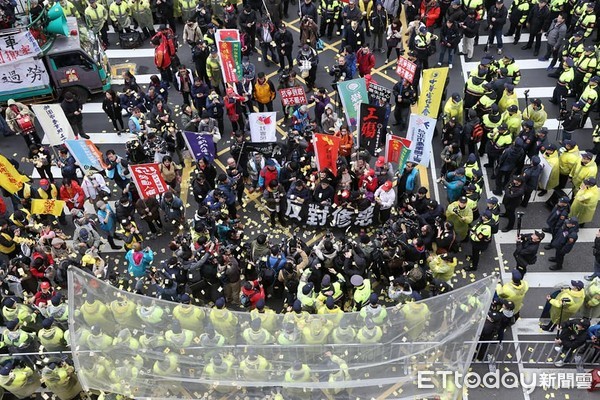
x: 57, y: 22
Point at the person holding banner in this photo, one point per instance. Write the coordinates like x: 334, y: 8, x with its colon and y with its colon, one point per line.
x: 264, y: 91
x: 20, y: 120
x: 385, y: 199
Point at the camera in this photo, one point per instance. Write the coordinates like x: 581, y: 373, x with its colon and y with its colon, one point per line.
x: 562, y: 109
x: 336, y: 72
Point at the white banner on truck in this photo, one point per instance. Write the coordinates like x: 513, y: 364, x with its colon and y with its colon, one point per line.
x: 18, y: 46
x: 54, y: 123
x: 29, y: 73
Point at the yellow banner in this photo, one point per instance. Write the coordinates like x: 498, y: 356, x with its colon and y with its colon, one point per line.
x: 434, y: 80
x: 10, y: 179
x: 54, y: 207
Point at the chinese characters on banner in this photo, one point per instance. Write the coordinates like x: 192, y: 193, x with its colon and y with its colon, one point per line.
x: 21, y: 70
x: 326, y: 151
x: 148, y: 180
x: 293, y: 96
x: 406, y: 69
x: 420, y: 133
x: 86, y: 154
x: 230, y: 54
x: 49, y: 206
x: 325, y: 216
x: 263, y: 126
x: 370, y: 125
x: 200, y: 145
x: 54, y: 123
x: 11, y: 180
x: 434, y: 80
x: 352, y: 94
x: 377, y: 92
x: 393, y: 148
x: 270, y: 150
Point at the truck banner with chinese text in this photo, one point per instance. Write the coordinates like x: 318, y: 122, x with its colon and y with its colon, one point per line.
x: 326, y: 151
x: 433, y: 83
x: 370, y: 127
x: 148, y: 180
x: 377, y: 92
x: 229, y: 48
x: 406, y: 69
x: 420, y: 133
x: 293, y: 96
x: 23, y: 75
x: 329, y: 216
x: 11, y: 180
x: 86, y: 154
x: 263, y: 126
x: 48, y: 206
x: 54, y: 123
x: 200, y: 145
x: 18, y: 46
x: 352, y: 94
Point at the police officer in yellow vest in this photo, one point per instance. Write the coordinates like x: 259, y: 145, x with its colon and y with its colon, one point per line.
x: 219, y: 369
x: 255, y: 367
x: 289, y: 335
x: 124, y: 313
x: 512, y: 118
x: 344, y: 333
x: 51, y: 336
x: 211, y: 339
x: 481, y: 236
x: 189, y: 316
x: 142, y: 14
x: 339, y: 372
x: 177, y: 337
x: 316, y: 332
x: 224, y: 321
x: 98, y: 340
x: 331, y: 311
x: 59, y: 377
x: 96, y: 18
x: 119, y: 13
x: 69, y: 9
x: 519, y: 10
x: 584, y: 69
x: 362, y: 291
x: 16, y: 339
x: 422, y: 42
x: 188, y: 9
x: 13, y: 310
x: 508, y: 97
x: 331, y: 289
x: 370, y: 333
x: 125, y: 340
x: 589, y: 98
x: 166, y: 366
x: 374, y: 310
x: 513, y: 70
x: 21, y: 381
x: 298, y: 373
x: 256, y: 334
x: 94, y: 312
x: 473, y: 91
x: 266, y: 315
x: 587, y: 21
x: 484, y: 104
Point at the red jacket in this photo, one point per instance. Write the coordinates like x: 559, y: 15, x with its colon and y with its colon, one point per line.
x: 366, y: 62
x: 75, y: 193
x: 429, y: 14
x: 257, y: 293
x: 162, y: 58
x: 42, y: 298
x: 41, y: 272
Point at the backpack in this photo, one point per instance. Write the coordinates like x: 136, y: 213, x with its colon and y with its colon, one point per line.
x: 477, y: 133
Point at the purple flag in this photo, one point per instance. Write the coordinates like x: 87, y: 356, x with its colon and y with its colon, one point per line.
x: 200, y: 145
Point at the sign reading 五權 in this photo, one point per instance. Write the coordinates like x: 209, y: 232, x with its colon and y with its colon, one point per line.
x: 148, y: 180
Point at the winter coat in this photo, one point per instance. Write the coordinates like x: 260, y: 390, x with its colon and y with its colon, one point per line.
x: 151, y: 204
x: 112, y: 108
x: 569, y: 308
x: 365, y: 61
x: 500, y: 14
x: 430, y: 12
x: 138, y: 269
x: 556, y: 34
x: 585, y: 203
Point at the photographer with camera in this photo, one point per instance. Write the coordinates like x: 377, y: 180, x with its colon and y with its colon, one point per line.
x: 513, y: 196
x: 274, y: 198
x: 526, y: 252
x: 571, y: 120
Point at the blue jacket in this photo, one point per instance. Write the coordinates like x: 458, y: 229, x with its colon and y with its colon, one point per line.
x: 594, y: 330
x: 138, y: 270
x: 110, y: 224
x: 276, y: 263
x: 454, y: 186
x: 231, y: 196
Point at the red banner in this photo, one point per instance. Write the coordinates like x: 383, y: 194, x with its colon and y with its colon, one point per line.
x: 406, y: 69
x: 326, y: 151
x: 228, y: 61
x: 148, y: 180
x: 393, y: 148
x: 293, y: 96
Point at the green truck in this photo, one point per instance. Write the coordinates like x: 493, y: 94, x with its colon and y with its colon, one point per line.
x: 38, y: 67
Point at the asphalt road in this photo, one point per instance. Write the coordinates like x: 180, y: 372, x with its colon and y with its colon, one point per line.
x: 498, y: 258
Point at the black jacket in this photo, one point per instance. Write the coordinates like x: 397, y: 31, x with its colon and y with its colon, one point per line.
x: 531, y: 176
x: 470, y: 27
x: 69, y: 107
x: 527, y: 249
x: 570, y: 337
x: 513, y: 195
x: 539, y: 18
x: 572, y: 122
x: 284, y: 38
x: 510, y: 158
x: 449, y: 37
x: 310, y: 10
x: 499, y: 14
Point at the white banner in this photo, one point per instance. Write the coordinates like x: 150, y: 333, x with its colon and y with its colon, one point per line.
x: 54, y: 123
x: 18, y: 46
x: 420, y: 133
x: 23, y: 74
x: 546, y: 172
x: 263, y: 127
